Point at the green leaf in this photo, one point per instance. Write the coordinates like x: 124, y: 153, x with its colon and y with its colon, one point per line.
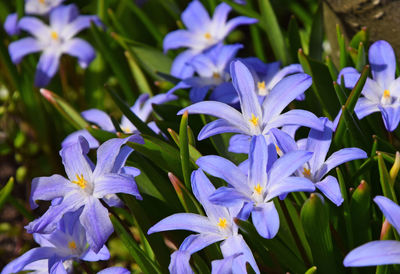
x: 361, y: 57
x: 311, y: 270
x: 294, y: 39
x: 138, y: 74
x: 343, y: 58
x: 315, y: 219
x: 346, y: 210
x: 273, y: 31
x: 360, y: 37
x: 317, y: 34
x: 146, y: 264
x: 184, y: 150
x: 153, y: 60
x: 384, y: 178
x: 6, y: 191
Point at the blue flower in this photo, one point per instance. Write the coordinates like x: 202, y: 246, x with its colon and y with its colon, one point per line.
x: 202, y: 33
x: 382, y: 92
x: 142, y: 109
x: 267, y: 75
x: 212, y: 68
x: 85, y: 186
x: 11, y: 24
x: 217, y: 226
x: 256, y: 118
x: 68, y: 242
x: 114, y: 270
x: 53, y: 41
x: 267, y: 178
x: 379, y: 252
x: 318, y: 166
x: 41, y: 7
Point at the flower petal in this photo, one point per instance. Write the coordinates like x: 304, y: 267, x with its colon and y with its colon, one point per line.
x: 75, y: 161
x: 288, y: 185
x: 217, y: 127
x: 350, y: 76
x: 32, y: 255
x: 339, y: 157
x: 365, y: 107
x: 225, y: 266
x: 265, y: 219
x: 219, y: 110
x: 195, y: 17
x: 80, y: 23
x: 391, y: 116
x: 374, y: 253
x: 80, y: 49
x: 225, y: 93
x: 47, y: 67
x: 91, y: 256
x: 180, y: 263
x: 114, y: 270
x: 62, y: 15
x: 287, y: 165
x: 180, y: 67
x: 11, y: 24
x: 180, y: 38
x: 258, y: 157
x: 96, y: 221
x: 147, y: 107
x: 237, y: 21
x: 74, y: 138
x: 222, y: 168
x: 291, y: 69
x: 390, y: 209
x: 99, y: 118
x: 239, y: 143
x: 283, y: 93
x: 115, y: 183
x: 227, y: 196
x: 184, y: 221
x: 194, y: 243
x: 35, y: 27
x: 244, y: 84
x: 236, y: 244
x: 295, y: 117
x: 48, y: 188
x: 22, y: 47
x: 330, y: 188
x: 219, y: 18
x: 383, y: 63
x: 283, y: 141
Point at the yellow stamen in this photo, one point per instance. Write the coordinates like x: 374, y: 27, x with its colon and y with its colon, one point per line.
x: 222, y: 223
x: 207, y: 35
x: 41, y: 1
x: 216, y: 75
x: 261, y: 85
x: 126, y: 129
x: 254, y: 119
x: 258, y: 189
x: 54, y: 35
x: 386, y: 93
x: 80, y: 181
x: 306, y: 172
x: 278, y: 150
x: 72, y: 245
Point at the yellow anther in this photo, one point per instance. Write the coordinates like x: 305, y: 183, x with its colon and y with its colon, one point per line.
x: 258, y: 189
x: 254, y: 119
x: 216, y: 75
x: 72, y: 245
x: 207, y: 35
x: 386, y: 93
x: 222, y: 223
x: 41, y: 1
x: 80, y: 181
x: 126, y: 129
x: 54, y: 35
x: 306, y: 172
x: 278, y: 150
x: 261, y: 85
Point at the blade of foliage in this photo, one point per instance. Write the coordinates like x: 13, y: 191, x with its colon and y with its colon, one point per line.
x: 6, y: 191
x: 317, y: 34
x: 184, y: 150
x: 294, y: 39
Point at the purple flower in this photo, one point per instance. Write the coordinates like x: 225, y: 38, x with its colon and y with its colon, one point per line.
x: 11, y: 24
x: 267, y: 75
x: 212, y: 68
x: 382, y: 92
x: 379, y: 252
x: 85, y: 186
x: 202, y: 33
x: 217, y: 226
x: 318, y: 166
x: 114, y: 270
x: 41, y: 7
x: 68, y: 242
x: 266, y: 179
x: 142, y: 109
x: 256, y: 118
x: 53, y: 41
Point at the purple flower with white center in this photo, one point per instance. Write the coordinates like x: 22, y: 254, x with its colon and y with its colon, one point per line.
x: 142, y: 109
x: 85, y: 186
x: 318, y: 166
x: 266, y: 179
x: 54, y: 40
x: 202, y: 33
x: 256, y: 118
x: 379, y: 252
x: 11, y: 24
x: 41, y: 7
x: 212, y: 68
x: 57, y: 250
x: 267, y: 75
x: 382, y: 92
x: 217, y: 226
